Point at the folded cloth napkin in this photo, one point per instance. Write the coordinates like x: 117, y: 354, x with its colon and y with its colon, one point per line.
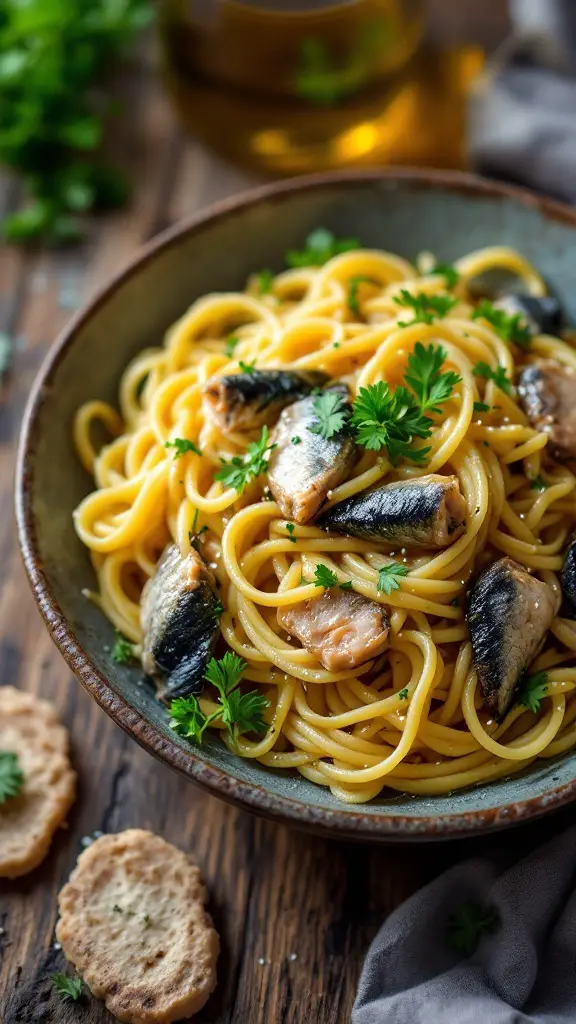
x: 522, y: 116
x: 524, y: 968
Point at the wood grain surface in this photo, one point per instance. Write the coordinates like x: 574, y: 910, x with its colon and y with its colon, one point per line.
x: 296, y: 913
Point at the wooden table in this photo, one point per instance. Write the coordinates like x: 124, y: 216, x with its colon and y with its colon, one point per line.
x: 295, y: 913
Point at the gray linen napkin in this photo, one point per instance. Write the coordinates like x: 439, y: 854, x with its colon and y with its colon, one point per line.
x: 522, y: 973
x: 522, y: 114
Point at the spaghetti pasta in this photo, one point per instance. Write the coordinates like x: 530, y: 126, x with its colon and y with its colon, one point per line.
x: 413, y: 718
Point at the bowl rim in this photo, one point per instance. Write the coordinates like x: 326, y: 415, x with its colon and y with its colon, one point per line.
x: 335, y: 823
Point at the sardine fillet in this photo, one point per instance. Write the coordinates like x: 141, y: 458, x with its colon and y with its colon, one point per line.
x: 342, y: 629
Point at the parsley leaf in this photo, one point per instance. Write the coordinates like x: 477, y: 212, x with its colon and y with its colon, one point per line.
x: 290, y: 529
x: 243, y: 468
x: 247, y: 367
x: 429, y: 385
x: 427, y: 308
x: 448, y: 271
x: 123, y: 651
x: 230, y: 345
x: 388, y: 577
x: 332, y: 411
x: 324, y: 577
x: 188, y: 719
x: 498, y: 375
x: 508, y: 327
x: 295, y: 439
x: 353, y: 286
x: 182, y: 446
x: 533, y: 689
x: 390, y: 419
x: 11, y: 776
x: 265, y: 282
x: 538, y: 484
x: 240, y: 712
x: 481, y: 407
x: 403, y: 694
x: 320, y: 246
x: 467, y: 924
x: 66, y: 987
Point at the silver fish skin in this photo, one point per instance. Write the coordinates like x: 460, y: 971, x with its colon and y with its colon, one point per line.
x: 509, y: 615
x: 180, y: 623
x: 568, y: 580
x: 244, y: 401
x: 341, y: 628
x: 301, y: 475
x: 547, y: 392
x: 427, y: 511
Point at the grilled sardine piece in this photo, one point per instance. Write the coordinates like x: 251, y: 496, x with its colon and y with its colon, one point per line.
x: 180, y: 623
x: 547, y: 393
x: 305, y: 466
x: 541, y: 314
x: 243, y: 401
x: 428, y: 511
x: 342, y: 629
x: 569, y: 580
x: 509, y: 615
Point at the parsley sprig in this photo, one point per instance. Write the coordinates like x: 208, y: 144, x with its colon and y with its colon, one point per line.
x: 241, y: 469
x: 426, y: 308
x: 389, y: 576
x: 499, y: 376
x: 403, y: 694
x: 424, y: 377
x: 182, y: 446
x: 123, y: 651
x: 390, y: 419
x: 508, y: 327
x: 320, y: 246
x: 467, y: 924
x: 532, y: 690
x: 11, y: 776
x: 67, y: 987
x: 538, y: 484
x: 331, y: 411
x: 324, y: 577
x: 449, y: 273
x: 239, y: 712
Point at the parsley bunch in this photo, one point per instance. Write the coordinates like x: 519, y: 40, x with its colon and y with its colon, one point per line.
x: 239, y: 712
x: 11, y: 776
x: 241, y: 469
x: 320, y: 246
x: 508, y: 327
x: 52, y: 56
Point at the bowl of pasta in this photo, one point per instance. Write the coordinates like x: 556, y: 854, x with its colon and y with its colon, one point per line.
x: 309, y: 534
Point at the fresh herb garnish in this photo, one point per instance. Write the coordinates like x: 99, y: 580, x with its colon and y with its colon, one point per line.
x: 182, y: 446
x: 243, y: 468
x: 448, y: 271
x: 467, y: 924
x: 532, y: 690
x: 218, y: 608
x: 53, y: 58
x: 498, y: 375
x: 331, y: 411
x: 324, y: 577
x: 388, y: 577
x: 290, y: 529
x: 123, y: 651
x: 403, y: 694
x: 347, y: 585
x: 247, y: 367
x: 508, y: 327
x: 188, y: 719
x: 265, y: 280
x: 390, y: 419
x: 11, y: 776
x: 538, y: 484
x: 353, y: 286
x: 481, y: 407
x: 426, y: 308
x: 230, y: 345
x: 295, y: 440
x: 66, y: 987
x: 320, y: 246
x: 239, y: 712
x: 429, y: 385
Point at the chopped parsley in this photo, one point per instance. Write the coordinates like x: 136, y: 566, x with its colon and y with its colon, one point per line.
x: 448, y: 271
x: 247, y: 367
x: 403, y: 694
x: 538, y: 484
x: 324, y: 577
x: 11, y: 776
x: 290, y: 529
x: 532, y: 690
x: 182, y: 446
x: 481, y: 407
x: 467, y: 924
x: 218, y: 609
x: 353, y: 286
x: 239, y: 712
x: 241, y: 469
x: 230, y: 345
x: 295, y: 439
x: 265, y: 280
x: 332, y: 411
x: 66, y: 987
x: 320, y: 246
x: 389, y: 575
x: 123, y: 651
x: 498, y: 375
x: 426, y: 308
x: 508, y: 327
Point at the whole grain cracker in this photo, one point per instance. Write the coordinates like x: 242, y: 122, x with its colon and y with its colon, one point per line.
x: 30, y: 728
x: 133, y: 923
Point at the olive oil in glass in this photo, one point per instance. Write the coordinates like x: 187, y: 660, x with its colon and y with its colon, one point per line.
x: 290, y: 86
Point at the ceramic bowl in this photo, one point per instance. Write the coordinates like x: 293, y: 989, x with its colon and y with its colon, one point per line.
x: 404, y: 211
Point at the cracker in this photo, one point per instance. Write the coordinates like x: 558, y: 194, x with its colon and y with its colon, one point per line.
x: 133, y: 923
x: 30, y: 728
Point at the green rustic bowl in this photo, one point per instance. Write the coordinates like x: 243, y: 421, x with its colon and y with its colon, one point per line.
x: 405, y: 211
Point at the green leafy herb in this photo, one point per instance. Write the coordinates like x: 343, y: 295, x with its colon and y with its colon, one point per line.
x: 241, y: 469
x: 182, y: 446
x: 426, y: 308
x: 467, y: 924
x: 538, y: 484
x: 324, y: 577
x: 509, y: 328
x: 532, y: 690
x: 403, y: 694
x: 188, y: 719
x: 449, y: 272
x: 498, y: 375
x: 11, y: 776
x: 390, y: 419
x: 265, y: 282
x: 320, y: 246
x: 247, y: 367
x: 295, y: 440
x: 230, y: 345
x: 53, y: 57
x: 66, y: 987
x: 290, y: 529
x: 122, y: 651
x: 348, y: 585
x: 388, y: 577
x: 353, y: 286
x: 240, y: 712
x: 481, y: 407
x: 331, y: 411
x: 336, y: 344
x: 218, y: 609
x: 424, y: 377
